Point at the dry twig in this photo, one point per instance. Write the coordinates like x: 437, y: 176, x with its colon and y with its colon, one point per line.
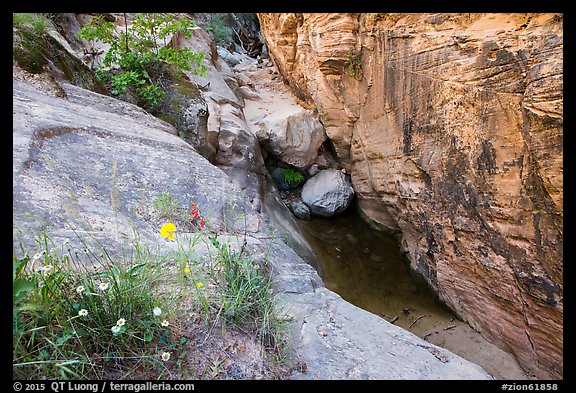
x: 417, y: 319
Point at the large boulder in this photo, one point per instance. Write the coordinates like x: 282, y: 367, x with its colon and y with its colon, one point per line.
x: 290, y: 132
x: 235, y: 145
x: 327, y: 193
x: 293, y: 137
x: 237, y: 150
x: 299, y: 208
x: 97, y: 163
x: 186, y: 109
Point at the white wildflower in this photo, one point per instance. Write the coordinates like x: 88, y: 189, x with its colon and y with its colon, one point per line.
x: 46, y: 269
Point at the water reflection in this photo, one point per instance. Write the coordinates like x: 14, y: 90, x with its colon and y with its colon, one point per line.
x: 366, y: 268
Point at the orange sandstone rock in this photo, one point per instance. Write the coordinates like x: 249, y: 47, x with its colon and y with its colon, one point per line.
x: 451, y: 126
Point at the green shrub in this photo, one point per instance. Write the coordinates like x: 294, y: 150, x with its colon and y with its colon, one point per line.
x: 138, y: 55
x: 354, y: 65
x: 216, y: 26
x: 152, y: 94
x: 292, y: 176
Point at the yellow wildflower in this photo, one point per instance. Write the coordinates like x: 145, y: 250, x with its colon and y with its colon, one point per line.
x: 199, y: 285
x: 167, y: 231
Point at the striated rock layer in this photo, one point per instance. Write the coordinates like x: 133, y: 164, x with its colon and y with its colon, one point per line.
x: 451, y: 127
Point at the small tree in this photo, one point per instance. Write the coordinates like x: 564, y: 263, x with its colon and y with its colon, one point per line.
x: 135, y: 53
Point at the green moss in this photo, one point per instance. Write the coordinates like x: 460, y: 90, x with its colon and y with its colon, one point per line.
x: 33, y: 52
x: 189, y: 90
x: 28, y: 51
x: 167, y: 117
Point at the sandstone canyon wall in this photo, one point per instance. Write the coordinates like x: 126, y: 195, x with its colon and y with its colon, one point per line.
x: 451, y: 128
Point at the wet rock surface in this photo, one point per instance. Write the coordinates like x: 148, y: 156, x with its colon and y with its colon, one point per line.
x: 299, y: 208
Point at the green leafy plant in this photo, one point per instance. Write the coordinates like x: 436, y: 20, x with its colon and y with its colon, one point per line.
x: 152, y: 94
x: 353, y: 65
x: 292, y: 176
x: 121, y: 82
x: 218, y: 30
x: 138, y: 56
x: 71, y: 321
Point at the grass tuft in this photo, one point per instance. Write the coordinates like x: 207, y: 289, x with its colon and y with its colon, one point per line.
x: 34, y: 22
x: 82, y: 315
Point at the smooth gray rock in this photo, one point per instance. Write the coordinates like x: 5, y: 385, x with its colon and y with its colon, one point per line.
x: 94, y: 164
x: 327, y: 193
x: 299, y: 209
x: 313, y: 170
x: 228, y: 57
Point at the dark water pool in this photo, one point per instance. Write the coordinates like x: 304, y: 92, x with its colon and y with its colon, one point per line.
x: 367, y: 269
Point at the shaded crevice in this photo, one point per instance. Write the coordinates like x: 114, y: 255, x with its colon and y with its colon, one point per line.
x: 328, y: 146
